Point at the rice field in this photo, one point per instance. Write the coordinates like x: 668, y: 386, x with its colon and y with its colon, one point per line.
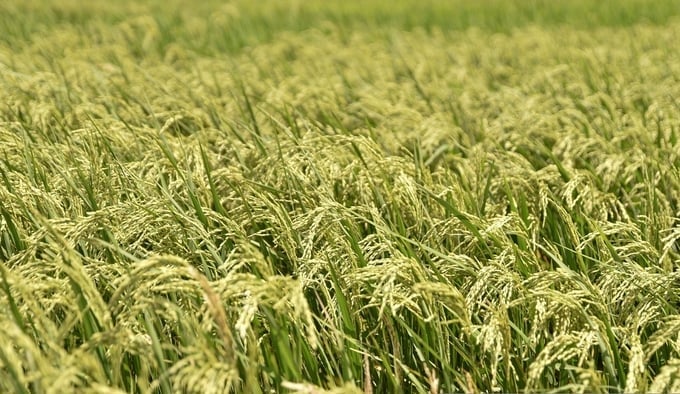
x: 340, y: 197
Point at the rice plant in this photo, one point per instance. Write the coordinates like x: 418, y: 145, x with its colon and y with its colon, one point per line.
x: 339, y: 198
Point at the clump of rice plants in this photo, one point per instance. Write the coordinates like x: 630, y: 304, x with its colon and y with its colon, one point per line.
x: 339, y: 198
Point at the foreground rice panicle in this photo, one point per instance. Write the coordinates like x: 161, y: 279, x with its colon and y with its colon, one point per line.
x: 337, y: 209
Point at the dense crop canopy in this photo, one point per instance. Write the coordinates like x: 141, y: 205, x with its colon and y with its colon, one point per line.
x: 339, y: 198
